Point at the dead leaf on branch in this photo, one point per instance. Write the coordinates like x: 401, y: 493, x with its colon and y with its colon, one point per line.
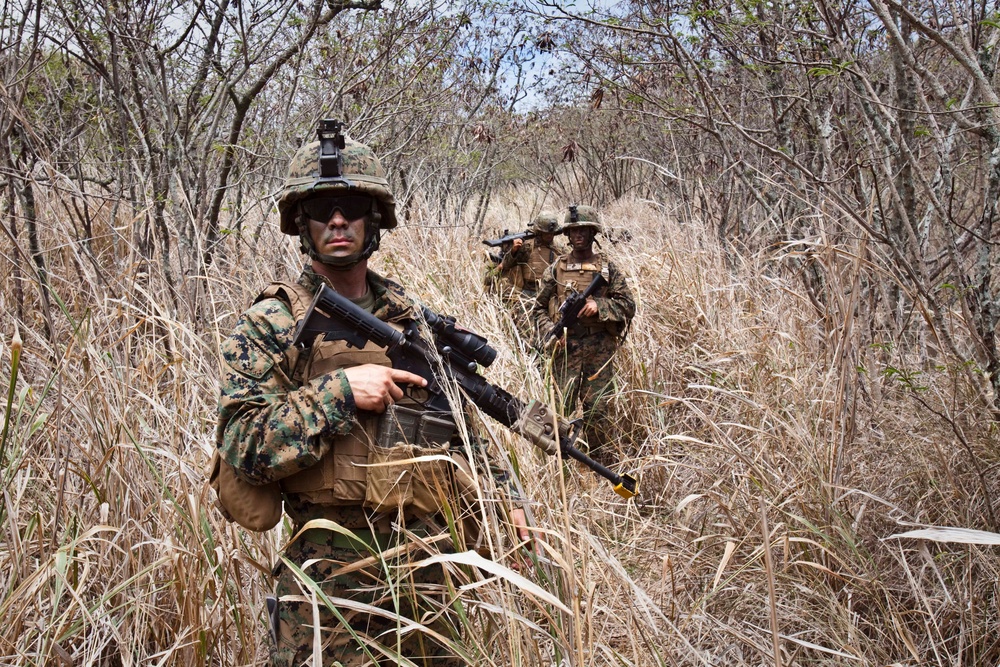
x: 596, y: 98
x: 569, y: 152
x: 482, y: 134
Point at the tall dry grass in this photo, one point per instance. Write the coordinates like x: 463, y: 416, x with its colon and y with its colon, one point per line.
x: 778, y: 452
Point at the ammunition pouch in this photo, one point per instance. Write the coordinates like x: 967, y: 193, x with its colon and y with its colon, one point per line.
x: 410, y: 466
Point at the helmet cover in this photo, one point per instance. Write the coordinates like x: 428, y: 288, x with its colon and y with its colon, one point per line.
x: 545, y: 222
x: 582, y: 216
x: 361, y: 173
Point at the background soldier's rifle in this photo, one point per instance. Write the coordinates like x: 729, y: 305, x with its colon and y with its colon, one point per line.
x: 509, y: 238
x: 569, y: 311
x: 336, y: 318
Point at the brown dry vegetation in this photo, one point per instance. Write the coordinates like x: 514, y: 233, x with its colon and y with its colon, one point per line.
x: 776, y: 460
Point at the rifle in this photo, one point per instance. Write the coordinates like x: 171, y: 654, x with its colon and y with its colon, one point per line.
x: 334, y: 317
x: 569, y: 311
x: 509, y: 238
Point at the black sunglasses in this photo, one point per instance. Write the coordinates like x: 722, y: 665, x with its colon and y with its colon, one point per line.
x: 351, y: 207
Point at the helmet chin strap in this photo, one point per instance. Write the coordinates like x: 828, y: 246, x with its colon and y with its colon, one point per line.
x: 373, y: 237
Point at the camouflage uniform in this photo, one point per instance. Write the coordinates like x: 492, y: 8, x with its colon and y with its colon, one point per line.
x: 522, y: 270
x: 272, y: 428
x: 287, y: 417
x: 582, y: 368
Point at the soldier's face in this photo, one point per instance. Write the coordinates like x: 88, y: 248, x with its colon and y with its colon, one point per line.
x: 580, y: 238
x: 337, y: 236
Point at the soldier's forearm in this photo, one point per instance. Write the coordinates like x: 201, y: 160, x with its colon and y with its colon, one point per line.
x: 267, y: 439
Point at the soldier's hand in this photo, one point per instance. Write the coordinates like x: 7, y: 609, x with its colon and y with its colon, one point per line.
x: 590, y: 308
x: 517, y: 245
x: 520, y: 521
x: 529, y: 541
x: 377, y: 387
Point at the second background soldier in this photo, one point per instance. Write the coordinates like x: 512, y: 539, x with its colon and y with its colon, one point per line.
x: 582, y: 358
x: 525, y: 263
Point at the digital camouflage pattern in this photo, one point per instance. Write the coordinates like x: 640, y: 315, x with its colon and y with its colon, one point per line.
x: 408, y: 595
x: 587, y: 216
x: 362, y: 173
x: 545, y: 223
x: 271, y: 427
x: 615, y: 303
x: 268, y: 426
x: 521, y: 271
x: 523, y: 267
x: 583, y: 368
x: 530, y: 260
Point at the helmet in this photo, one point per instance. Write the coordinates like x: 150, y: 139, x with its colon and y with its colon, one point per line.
x: 545, y: 222
x: 361, y: 172
x: 582, y: 216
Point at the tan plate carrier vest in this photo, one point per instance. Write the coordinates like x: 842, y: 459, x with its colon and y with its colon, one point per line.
x: 539, y: 260
x: 399, y: 459
x: 396, y: 459
x: 572, y: 277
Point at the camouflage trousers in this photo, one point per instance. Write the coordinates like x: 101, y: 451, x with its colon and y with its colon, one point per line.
x: 583, y: 370
x: 376, y: 606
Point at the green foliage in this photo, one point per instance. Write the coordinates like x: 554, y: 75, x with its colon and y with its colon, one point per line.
x: 908, y: 378
x: 834, y: 68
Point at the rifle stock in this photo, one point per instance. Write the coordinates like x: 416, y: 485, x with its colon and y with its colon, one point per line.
x: 335, y: 317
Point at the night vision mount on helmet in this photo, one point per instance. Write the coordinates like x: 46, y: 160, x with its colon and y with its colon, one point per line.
x: 335, y: 165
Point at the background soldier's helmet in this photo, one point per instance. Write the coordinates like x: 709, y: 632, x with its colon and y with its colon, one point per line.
x: 586, y: 216
x: 545, y: 223
x: 362, y: 173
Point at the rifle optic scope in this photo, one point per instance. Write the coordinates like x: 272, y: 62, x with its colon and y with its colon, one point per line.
x: 454, y: 340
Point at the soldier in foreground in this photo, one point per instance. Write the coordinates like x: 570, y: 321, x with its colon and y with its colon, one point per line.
x: 309, y: 423
x: 582, y: 354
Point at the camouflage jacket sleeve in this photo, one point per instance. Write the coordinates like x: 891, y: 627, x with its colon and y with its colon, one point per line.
x: 540, y: 308
x: 617, y: 304
x: 269, y: 427
x: 516, y: 257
